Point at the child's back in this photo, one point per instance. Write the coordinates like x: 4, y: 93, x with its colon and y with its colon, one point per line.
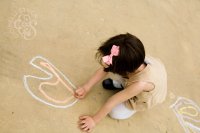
x: 155, y: 74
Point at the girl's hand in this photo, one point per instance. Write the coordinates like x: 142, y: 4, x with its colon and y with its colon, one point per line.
x: 86, y: 123
x: 80, y: 93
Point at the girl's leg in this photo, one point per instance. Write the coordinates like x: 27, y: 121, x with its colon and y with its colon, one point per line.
x: 117, y: 83
x: 121, y: 112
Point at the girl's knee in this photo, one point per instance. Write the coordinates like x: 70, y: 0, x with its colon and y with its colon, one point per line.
x: 121, y: 112
x: 121, y: 116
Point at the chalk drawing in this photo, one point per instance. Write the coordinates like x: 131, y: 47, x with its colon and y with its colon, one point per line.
x: 188, y: 114
x: 23, y: 22
x: 52, y: 73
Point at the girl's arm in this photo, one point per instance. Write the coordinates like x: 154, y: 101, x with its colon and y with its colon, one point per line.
x: 85, y: 88
x: 96, y: 77
x: 87, y: 122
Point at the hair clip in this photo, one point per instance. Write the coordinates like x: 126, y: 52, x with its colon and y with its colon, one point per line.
x: 113, y: 52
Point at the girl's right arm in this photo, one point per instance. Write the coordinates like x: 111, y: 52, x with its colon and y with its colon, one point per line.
x: 85, y: 88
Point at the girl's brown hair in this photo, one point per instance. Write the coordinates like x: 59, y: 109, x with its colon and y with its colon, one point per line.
x: 131, y: 54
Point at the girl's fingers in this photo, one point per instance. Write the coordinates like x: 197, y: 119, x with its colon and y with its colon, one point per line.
x: 85, y: 129
x: 78, y: 90
x: 78, y: 95
x: 83, y: 117
x: 89, y: 130
x: 82, y: 122
x: 83, y: 126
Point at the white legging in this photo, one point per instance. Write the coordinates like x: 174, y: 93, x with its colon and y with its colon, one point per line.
x: 121, y: 112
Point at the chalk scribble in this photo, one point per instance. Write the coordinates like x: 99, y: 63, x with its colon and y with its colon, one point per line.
x: 188, y: 114
x: 23, y: 22
x: 54, y: 78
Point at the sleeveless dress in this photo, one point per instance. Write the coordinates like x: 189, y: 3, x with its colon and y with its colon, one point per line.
x: 155, y: 74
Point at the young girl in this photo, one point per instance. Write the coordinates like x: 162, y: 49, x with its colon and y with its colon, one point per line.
x: 143, y: 86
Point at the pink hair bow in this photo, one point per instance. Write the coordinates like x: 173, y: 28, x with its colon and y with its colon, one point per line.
x: 114, y: 52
